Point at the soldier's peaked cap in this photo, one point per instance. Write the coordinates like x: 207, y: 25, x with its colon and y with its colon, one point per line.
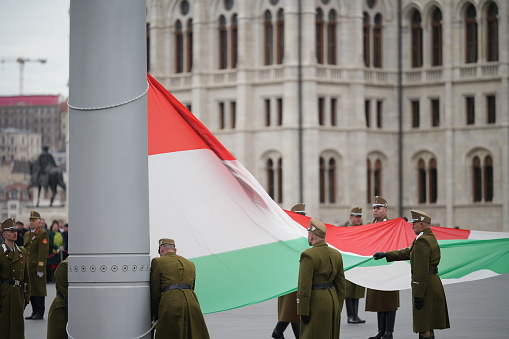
x: 317, y: 227
x: 34, y: 215
x: 420, y: 216
x: 166, y: 241
x: 299, y: 208
x: 9, y: 225
x: 379, y: 202
x: 356, y: 211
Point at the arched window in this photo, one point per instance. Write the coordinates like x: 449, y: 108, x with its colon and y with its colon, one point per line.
x: 319, y: 35
x: 271, y: 177
x: 179, y: 48
x: 377, y: 42
x: 488, y: 178
x: 331, y: 38
x: 322, y: 180
x: 476, y: 179
x: 416, y: 40
x: 368, y: 179
x: 492, y: 33
x: 436, y: 38
x: 280, y: 43
x: 332, y: 180
x: 274, y: 176
x: 223, y: 43
x: 421, y: 169
x: 268, y: 40
x: 377, y: 178
x: 470, y: 34
x: 189, y: 43
x: 433, y: 181
x: 279, y: 182
x: 366, y: 28
x: 234, y: 39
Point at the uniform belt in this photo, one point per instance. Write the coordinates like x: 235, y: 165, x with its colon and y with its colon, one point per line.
x: 60, y: 296
x: 433, y: 270
x: 12, y: 282
x: 323, y: 286
x: 178, y: 287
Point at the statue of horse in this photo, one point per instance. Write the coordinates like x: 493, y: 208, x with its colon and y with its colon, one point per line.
x: 51, y: 177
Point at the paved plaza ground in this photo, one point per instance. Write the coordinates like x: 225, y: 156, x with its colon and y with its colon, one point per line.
x: 478, y: 309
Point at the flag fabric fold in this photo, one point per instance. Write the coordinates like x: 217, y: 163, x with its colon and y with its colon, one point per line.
x: 245, y: 247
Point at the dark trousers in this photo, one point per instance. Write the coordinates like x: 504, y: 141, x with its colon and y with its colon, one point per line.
x: 38, y: 306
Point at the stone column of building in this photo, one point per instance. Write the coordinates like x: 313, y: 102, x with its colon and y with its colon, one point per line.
x: 201, y: 48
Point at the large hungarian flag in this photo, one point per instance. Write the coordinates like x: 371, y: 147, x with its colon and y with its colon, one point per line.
x: 245, y: 247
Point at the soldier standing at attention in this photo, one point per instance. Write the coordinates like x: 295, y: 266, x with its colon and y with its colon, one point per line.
x: 14, y: 283
x: 287, y: 304
x: 173, y: 301
x: 321, y: 288
x: 37, y: 246
x: 385, y: 303
x: 354, y: 292
x: 57, y: 315
x: 429, y: 304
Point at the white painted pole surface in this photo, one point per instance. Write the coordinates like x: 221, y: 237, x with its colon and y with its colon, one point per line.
x: 108, y: 171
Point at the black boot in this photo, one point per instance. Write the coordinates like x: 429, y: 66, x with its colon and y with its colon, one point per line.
x: 349, y: 311
x: 279, y: 329
x: 390, y: 319
x: 381, y: 325
x: 296, y: 330
x: 355, y: 310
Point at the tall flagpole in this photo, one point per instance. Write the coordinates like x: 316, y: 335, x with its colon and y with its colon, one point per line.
x: 109, y: 293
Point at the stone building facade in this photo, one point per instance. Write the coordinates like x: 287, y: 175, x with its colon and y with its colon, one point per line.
x: 18, y: 144
x: 316, y: 100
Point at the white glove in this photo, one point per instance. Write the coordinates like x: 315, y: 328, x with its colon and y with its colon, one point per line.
x: 40, y: 274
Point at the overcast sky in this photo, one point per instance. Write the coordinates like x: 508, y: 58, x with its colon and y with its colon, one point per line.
x: 34, y: 29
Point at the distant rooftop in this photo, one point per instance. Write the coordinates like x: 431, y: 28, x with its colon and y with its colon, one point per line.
x: 29, y: 100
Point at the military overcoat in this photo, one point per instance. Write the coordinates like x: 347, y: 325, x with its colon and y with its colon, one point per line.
x: 178, y: 310
x: 287, y: 308
x: 37, y: 246
x: 381, y: 301
x: 320, y: 264
x: 57, y: 316
x: 354, y: 291
x: 13, y: 267
x: 424, y: 256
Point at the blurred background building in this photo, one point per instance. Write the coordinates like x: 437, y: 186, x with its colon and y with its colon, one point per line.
x: 331, y: 102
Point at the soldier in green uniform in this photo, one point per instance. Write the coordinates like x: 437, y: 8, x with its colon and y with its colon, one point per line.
x: 287, y: 304
x: 321, y: 288
x: 385, y: 303
x: 14, y: 283
x: 354, y: 292
x: 37, y: 245
x: 429, y: 304
x: 57, y: 315
x: 173, y: 301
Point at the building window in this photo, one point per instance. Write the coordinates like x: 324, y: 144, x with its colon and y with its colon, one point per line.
x: 234, y: 41
x: 368, y: 180
x: 331, y: 171
x: 280, y: 43
x: 470, y: 34
x: 319, y: 36
x: 476, y: 179
x: 274, y: 173
x: 377, y: 178
x: 492, y: 33
x: 322, y: 180
x: 223, y: 43
x: 179, y: 48
x: 328, y: 180
x: 233, y: 114
x: 436, y: 38
x: 491, y: 109
x: 482, y: 178
x: 470, y: 110
x: 268, y: 32
x: 433, y: 181
x: 379, y: 107
x: 416, y: 40
x: 148, y: 52
x: 488, y: 178
x: 279, y: 111
x: 366, y: 28
x: 331, y: 38
x: 221, y: 115
x: 267, y: 112
x: 377, y: 42
x: 367, y: 112
x: 435, y: 112
x: 271, y: 178
x: 279, y: 169
x: 333, y: 111
x: 189, y: 43
x: 415, y: 114
x: 427, y: 180
x: 321, y: 109
x: 421, y: 181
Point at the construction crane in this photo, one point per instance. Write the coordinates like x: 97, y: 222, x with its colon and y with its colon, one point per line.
x: 21, y: 62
